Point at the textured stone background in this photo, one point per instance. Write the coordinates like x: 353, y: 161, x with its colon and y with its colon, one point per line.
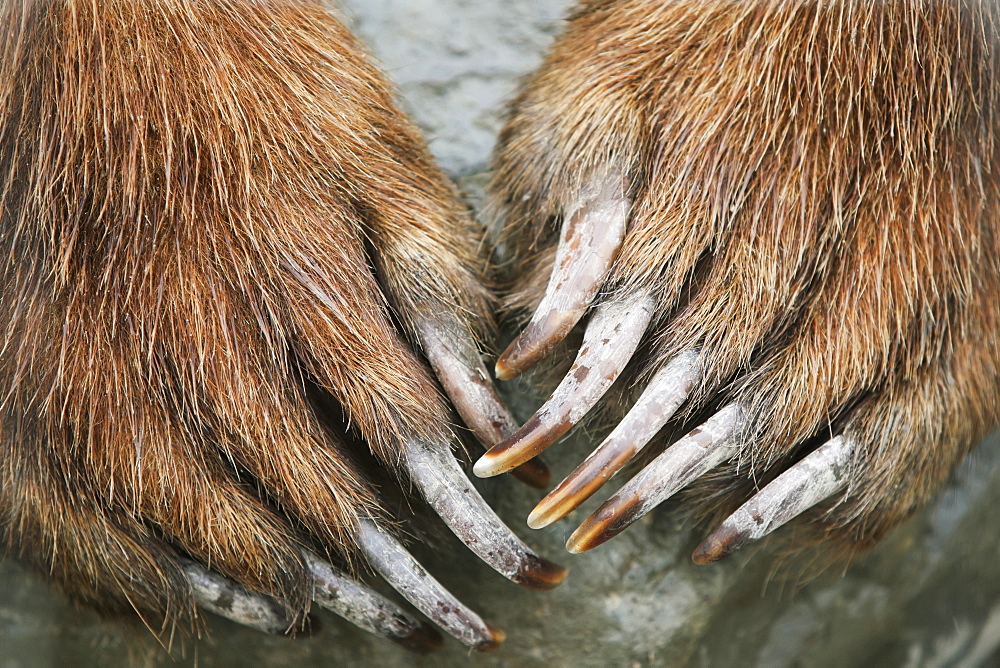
x: 929, y: 596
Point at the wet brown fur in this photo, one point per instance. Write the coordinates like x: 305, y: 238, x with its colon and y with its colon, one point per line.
x: 816, y: 205
x: 208, y: 210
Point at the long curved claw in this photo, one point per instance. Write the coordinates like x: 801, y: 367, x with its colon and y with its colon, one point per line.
x: 458, y: 365
x: 665, y: 393
x: 435, y: 471
x: 591, y: 235
x: 221, y: 596
x: 408, y: 577
x: 613, y: 334
x: 367, y: 609
x: 702, y: 449
x: 818, y: 476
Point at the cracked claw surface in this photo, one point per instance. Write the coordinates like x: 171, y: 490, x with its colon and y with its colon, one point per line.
x: 611, y: 338
x: 223, y: 251
x: 694, y: 455
x: 369, y: 610
x: 809, y: 216
x: 449, y: 492
x: 407, y: 577
x: 590, y: 237
x: 223, y: 597
x: 820, y: 475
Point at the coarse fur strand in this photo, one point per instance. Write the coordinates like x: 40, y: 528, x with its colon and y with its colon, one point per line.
x: 815, y: 195
x: 209, y: 212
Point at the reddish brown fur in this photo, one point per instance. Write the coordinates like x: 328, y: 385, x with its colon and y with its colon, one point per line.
x: 188, y: 193
x: 816, y: 197
x: 193, y: 196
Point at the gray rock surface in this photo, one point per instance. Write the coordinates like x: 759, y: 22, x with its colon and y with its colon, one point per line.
x: 928, y: 596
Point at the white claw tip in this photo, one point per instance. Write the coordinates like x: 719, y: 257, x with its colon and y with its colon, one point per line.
x: 486, y: 467
x: 537, y: 520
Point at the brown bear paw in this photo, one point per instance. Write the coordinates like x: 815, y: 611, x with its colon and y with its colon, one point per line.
x: 782, y: 219
x: 223, y: 246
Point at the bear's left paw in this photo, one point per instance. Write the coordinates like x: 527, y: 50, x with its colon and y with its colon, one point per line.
x: 778, y: 226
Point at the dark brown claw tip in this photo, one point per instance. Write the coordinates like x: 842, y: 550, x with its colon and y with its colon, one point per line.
x: 494, y: 643
x: 815, y: 478
x: 534, y: 473
x: 541, y: 574
x: 723, y: 542
x: 526, y: 442
x: 665, y: 393
x: 455, y: 358
x: 592, y: 232
x: 607, y: 522
x: 612, y: 336
x: 563, y: 500
x: 534, y: 344
x: 422, y: 640
x: 705, y: 447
